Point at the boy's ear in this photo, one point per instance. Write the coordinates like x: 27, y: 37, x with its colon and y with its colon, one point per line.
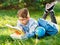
x: 28, y: 18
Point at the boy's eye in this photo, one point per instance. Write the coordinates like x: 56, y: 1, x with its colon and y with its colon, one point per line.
x: 22, y: 19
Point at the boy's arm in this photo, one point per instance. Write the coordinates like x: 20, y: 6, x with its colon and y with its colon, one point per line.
x: 19, y: 25
x: 32, y: 29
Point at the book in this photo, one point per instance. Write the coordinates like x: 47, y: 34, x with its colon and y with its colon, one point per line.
x: 16, y: 29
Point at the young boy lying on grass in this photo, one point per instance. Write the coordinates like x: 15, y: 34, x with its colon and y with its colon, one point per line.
x: 31, y: 27
x: 26, y: 24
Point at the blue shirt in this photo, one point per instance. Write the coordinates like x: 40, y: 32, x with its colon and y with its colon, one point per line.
x: 30, y: 27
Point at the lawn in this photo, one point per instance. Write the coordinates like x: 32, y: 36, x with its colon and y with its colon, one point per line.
x: 9, y: 16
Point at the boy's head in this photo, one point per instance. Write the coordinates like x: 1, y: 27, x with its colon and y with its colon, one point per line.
x: 23, y: 15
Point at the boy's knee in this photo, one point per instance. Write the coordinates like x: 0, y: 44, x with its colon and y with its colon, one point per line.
x: 54, y: 32
x: 40, y: 31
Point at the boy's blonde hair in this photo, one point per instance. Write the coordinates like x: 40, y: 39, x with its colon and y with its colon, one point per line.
x: 23, y: 13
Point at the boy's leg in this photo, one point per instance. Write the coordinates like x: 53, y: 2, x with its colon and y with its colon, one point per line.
x: 50, y: 27
x: 53, y: 19
x: 45, y: 15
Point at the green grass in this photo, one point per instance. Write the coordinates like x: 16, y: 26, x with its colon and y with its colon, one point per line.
x: 9, y: 16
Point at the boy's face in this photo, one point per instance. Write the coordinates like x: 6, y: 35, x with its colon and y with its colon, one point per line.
x: 23, y: 20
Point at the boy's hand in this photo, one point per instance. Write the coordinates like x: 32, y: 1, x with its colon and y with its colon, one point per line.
x: 19, y: 32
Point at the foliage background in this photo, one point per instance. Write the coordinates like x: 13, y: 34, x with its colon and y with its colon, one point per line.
x: 8, y: 14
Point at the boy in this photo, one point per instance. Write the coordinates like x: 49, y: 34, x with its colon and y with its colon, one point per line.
x: 49, y: 9
x: 31, y: 28
x: 25, y: 23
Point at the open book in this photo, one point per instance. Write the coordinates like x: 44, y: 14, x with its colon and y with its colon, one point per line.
x: 17, y: 30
